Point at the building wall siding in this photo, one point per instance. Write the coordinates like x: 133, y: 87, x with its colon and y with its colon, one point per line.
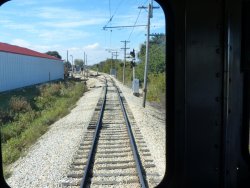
x: 18, y: 70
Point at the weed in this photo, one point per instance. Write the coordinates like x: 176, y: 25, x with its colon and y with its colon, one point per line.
x: 19, y: 104
x: 157, y: 88
x: 5, y: 116
x: 29, y: 122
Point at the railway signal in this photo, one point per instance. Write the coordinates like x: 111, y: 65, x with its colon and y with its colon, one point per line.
x: 132, y: 63
x: 132, y: 53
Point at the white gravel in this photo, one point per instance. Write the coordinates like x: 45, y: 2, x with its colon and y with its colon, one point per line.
x: 48, y: 159
x: 152, y: 124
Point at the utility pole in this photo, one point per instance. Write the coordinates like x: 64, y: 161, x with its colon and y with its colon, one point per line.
x: 111, y: 67
x: 112, y: 55
x: 67, y: 56
x: 125, y: 49
x: 84, y: 67
x: 72, y: 64
x: 115, y: 54
x: 150, y: 15
x: 115, y: 60
x: 67, y: 63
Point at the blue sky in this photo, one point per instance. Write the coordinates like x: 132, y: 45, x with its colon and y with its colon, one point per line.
x: 77, y: 26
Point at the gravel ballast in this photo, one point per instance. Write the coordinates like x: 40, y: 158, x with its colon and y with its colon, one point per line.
x: 152, y: 124
x: 48, y: 159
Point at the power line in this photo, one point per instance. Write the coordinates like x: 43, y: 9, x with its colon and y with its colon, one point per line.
x: 122, y: 26
x: 133, y: 41
x: 109, y: 10
x: 110, y: 38
x: 135, y: 23
x: 144, y: 4
x: 137, y: 19
x: 117, y: 7
x: 111, y: 17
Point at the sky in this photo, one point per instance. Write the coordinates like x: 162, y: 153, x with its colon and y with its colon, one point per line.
x: 76, y: 26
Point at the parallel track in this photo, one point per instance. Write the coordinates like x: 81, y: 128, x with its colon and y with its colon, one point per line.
x: 108, y: 156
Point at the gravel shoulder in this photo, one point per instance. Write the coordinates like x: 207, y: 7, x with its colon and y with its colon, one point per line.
x: 47, y: 161
x: 152, y: 124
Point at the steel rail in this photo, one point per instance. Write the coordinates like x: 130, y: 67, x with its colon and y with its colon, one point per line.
x: 132, y: 143
x: 84, y: 181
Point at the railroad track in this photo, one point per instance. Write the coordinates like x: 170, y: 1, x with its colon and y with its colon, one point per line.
x: 112, y: 154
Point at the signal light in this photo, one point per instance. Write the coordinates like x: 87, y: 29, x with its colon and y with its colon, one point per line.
x: 132, y: 64
x: 132, y: 53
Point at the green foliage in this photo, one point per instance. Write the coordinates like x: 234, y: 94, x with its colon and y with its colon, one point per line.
x: 156, y: 68
x: 157, y: 62
x: 54, y: 53
x: 48, y: 93
x: 79, y: 62
x: 128, y: 74
x: 157, y: 88
x: 53, y: 101
x: 19, y: 104
x: 67, y: 64
x: 5, y: 116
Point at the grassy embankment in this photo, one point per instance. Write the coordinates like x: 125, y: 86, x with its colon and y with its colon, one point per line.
x: 156, y: 85
x: 26, y: 114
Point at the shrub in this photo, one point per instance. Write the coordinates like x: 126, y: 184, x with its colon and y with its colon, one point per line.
x: 5, y: 116
x: 19, y: 104
x: 47, y: 95
x: 157, y: 88
x: 30, y: 125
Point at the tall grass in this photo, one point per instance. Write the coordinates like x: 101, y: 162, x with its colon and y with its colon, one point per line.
x: 27, y: 119
x: 157, y: 88
x: 156, y: 85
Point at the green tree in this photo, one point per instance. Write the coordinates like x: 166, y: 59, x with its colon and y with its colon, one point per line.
x: 54, y: 53
x: 157, y: 62
x: 79, y: 62
x: 67, y: 64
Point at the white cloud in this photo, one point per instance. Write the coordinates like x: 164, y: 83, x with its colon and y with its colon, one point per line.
x: 21, y: 43
x: 62, y: 35
x: 74, y: 49
x: 57, y: 13
x: 35, y: 47
x: 45, y: 48
x: 67, y: 13
x: 70, y: 24
x: 92, y: 46
x: 17, y: 26
x: 25, y: 2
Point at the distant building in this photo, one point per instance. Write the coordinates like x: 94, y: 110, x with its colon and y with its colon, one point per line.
x: 21, y: 67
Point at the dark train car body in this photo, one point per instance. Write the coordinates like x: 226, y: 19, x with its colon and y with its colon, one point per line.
x: 208, y: 93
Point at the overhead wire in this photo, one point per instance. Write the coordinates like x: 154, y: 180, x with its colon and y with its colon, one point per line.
x: 137, y: 20
x: 134, y: 24
x: 111, y: 17
x: 121, y: 1
x: 110, y: 39
x: 109, y: 9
